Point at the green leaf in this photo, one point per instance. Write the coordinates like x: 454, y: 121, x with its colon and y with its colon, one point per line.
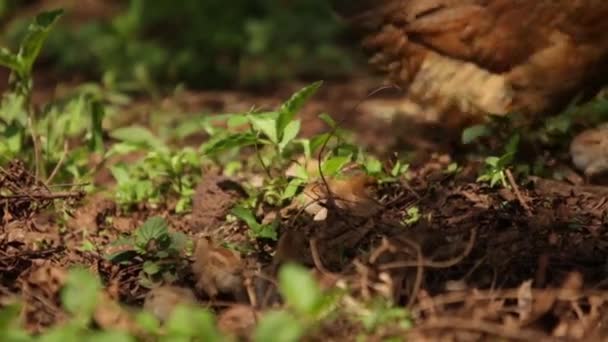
x: 80, y: 294
x: 259, y: 230
x: 333, y: 165
x: 317, y: 141
x: 35, y: 37
x: 291, y: 132
x: 373, y: 166
x: 300, y: 289
x: 139, y: 136
x: 473, y: 133
x: 122, y: 256
x: 120, y: 173
x: 237, y: 140
x: 292, y: 188
x: 9, y: 60
x: 155, y: 228
x: 148, y: 322
x: 265, y: 126
x: 328, y: 120
x: 150, y: 267
x: 292, y: 106
x: 278, y: 326
x: 512, y: 144
x: 9, y: 316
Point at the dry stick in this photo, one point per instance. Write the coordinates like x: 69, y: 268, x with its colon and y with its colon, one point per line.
x: 59, y: 163
x: 458, y: 297
x: 419, y: 272
x: 316, y: 257
x: 520, y: 198
x: 485, y: 327
x: 433, y: 263
x: 45, y: 196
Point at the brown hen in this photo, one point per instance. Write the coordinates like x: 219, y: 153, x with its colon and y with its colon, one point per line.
x: 485, y: 56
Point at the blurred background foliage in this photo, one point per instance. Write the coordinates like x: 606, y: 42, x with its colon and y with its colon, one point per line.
x: 201, y: 43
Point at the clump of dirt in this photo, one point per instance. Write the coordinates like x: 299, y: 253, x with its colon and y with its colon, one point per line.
x: 214, y: 197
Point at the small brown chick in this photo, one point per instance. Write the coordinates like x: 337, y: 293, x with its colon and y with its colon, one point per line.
x: 350, y: 193
x: 161, y: 301
x: 589, y: 151
x: 217, y: 269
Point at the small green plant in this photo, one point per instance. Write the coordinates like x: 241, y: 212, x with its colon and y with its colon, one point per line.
x: 161, y: 175
x: 412, y: 216
x: 44, y: 138
x: 496, y: 167
x: 159, y: 251
x: 22, y: 62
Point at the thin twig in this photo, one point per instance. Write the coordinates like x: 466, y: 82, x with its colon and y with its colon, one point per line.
x: 433, y: 263
x: 59, y: 163
x: 316, y: 257
x: 520, y: 198
x: 44, y: 196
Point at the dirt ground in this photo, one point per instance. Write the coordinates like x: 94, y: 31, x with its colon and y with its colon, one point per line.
x: 521, y: 263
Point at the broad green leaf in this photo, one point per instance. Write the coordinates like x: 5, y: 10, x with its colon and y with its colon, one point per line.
x: 279, y: 326
x: 333, y: 165
x: 300, y: 289
x: 291, y: 132
x: 473, y: 133
x: 246, y: 216
x: 492, y: 161
x: 237, y: 140
x: 155, y: 228
x: 266, y: 126
x: 138, y: 135
x: 35, y: 37
x: 80, y: 294
x: 292, y: 106
x: 236, y: 120
x: 292, y: 188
